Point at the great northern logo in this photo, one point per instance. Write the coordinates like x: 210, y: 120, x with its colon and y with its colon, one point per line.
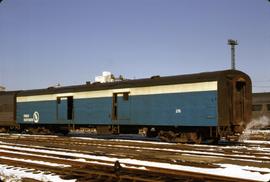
x: 34, y: 118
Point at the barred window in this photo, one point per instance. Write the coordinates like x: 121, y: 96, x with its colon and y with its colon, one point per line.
x: 257, y: 107
x: 268, y: 107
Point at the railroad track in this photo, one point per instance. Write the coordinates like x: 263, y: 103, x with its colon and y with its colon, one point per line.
x: 91, y: 170
x: 95, y: 159
x: 137, y: 148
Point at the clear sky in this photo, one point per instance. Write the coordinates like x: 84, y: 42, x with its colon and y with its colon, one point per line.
x: 45, y: 42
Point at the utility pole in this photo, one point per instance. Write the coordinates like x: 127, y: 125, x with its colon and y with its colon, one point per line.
x: 232, y: 43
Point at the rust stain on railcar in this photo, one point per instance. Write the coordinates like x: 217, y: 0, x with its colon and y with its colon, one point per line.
x: 235, y: 99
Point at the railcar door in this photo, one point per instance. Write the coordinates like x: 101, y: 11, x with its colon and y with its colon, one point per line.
x: 121, y: 108
x: 64, y: 109
x: 124, y: 108
x: 239, y: 102
x: 239, y: 114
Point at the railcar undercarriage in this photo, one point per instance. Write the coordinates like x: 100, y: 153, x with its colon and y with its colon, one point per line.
x: 164, y: 133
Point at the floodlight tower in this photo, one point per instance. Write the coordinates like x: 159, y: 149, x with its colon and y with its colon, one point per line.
x: 232, y: 43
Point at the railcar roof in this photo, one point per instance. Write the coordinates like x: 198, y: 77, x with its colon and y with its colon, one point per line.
x: 155, y: 80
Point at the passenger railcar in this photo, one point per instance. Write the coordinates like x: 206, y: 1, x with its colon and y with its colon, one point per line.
x: 178, y: 108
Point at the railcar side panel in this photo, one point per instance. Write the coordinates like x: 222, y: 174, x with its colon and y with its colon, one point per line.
x: 47, y: 112
x: 172, y: 105
x: 93, y: 111
x: 178, y: 109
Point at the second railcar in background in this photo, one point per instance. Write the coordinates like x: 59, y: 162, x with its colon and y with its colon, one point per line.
x: 261, y: 107
x: 8, y: 111
x: 178, y: 108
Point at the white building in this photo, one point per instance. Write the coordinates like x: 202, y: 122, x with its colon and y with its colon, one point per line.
x: 106, y: 77
x: 2, y: 88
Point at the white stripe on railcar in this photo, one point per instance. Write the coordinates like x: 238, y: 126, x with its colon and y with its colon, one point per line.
x: 150, y: 90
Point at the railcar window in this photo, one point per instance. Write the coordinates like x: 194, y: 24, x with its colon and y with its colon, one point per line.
x: 268, y: 107
x: 125, y: 95
x: 58, y: 100
x: 240, y: 85
x: 257, y: 107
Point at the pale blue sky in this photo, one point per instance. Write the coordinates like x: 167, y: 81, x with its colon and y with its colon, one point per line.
x: 45, y: 42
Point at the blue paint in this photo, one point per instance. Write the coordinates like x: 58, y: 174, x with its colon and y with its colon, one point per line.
x: 124, y: 110
x: 196, y: 109
x: 46, y: 110
x: 177, y: 109
x: 93, y: 111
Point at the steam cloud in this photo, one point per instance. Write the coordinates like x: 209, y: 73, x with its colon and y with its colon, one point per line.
x: 259, y: 123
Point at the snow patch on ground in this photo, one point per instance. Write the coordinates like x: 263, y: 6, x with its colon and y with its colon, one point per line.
x: 256, y: 141
x: 12, y: 174
x: 35, y: 162
x: 235, y: 171
x: 126, y: 140
x: 27, y: 135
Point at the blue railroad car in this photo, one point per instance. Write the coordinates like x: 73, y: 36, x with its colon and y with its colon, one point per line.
x: 177, y: 108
